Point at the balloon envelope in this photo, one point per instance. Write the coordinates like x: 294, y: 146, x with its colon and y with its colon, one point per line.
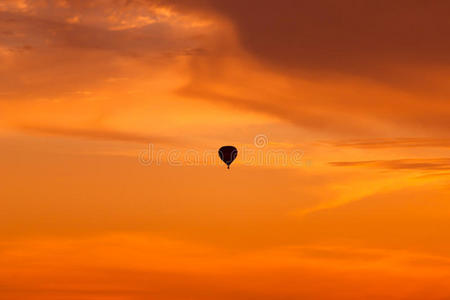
x: 228, y: 154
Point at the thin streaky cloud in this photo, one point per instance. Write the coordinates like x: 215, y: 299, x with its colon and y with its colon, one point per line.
x: 104, y: 134
x: 393, y: 143
x: 399, y: 164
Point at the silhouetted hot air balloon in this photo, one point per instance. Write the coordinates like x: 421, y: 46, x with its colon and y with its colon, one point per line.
x: 228, y: 154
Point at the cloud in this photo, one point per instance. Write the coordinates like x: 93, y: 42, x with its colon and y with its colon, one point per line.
x: 290, y: 112
x: 434, y: 175
x: 344, y: 37
x: 352, y: 67
x: 343, y: 70
x: 142, y: 266
x: 441, y: 164
x: 43, y: 55
x: 393, y: 143
x: 405, y: 218
x: 93, y: 134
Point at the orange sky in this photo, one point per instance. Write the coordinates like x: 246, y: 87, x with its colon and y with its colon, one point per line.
x: 339, y: 110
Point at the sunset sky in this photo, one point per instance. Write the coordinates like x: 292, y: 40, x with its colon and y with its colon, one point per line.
x: 112, y: 112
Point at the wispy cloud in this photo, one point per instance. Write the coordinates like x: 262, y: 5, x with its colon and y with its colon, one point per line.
x: 393, y: 143
x: 95, y: 134
x: 400, y: 164
x: 140, y: 266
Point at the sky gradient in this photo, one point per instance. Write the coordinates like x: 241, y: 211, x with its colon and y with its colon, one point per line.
x: 112, y: 112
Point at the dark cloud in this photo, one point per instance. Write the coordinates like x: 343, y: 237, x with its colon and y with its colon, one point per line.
x: 360, y: 37
x: 396, y: 42
x: 394, y: 52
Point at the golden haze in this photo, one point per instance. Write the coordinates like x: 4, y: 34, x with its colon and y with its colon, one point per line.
x: 360, y: 89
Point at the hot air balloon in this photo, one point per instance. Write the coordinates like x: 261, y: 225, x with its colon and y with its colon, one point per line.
x: 228, y: 154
